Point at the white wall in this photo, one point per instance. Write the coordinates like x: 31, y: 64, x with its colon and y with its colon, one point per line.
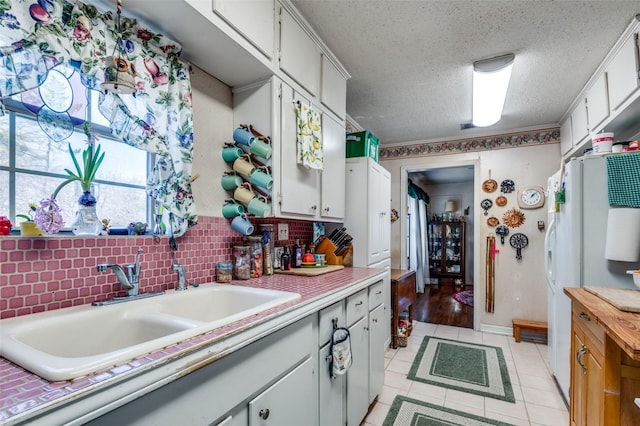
x: 520, y: 285
x: 212, y: 126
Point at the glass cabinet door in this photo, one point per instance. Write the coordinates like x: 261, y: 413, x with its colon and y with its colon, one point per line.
x: 452, y: 242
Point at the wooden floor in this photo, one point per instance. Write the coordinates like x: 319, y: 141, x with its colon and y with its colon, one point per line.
x: 437, y: 306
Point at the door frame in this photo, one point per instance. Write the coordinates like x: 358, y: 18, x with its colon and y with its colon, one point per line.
x: 441, y: 163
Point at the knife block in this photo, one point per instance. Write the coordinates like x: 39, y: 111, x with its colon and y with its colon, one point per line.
x: 327, y: 248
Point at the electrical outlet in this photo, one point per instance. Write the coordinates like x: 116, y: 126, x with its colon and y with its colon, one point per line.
x: 283, y: 231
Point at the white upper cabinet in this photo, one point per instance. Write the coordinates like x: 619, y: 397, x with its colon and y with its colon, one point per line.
x: 254, y: 19
x: 299, y: 54
x: 299, y: 186
x: 333, y: 176
x: 333, y: 93
x: 579, y: 123
x: 566, y: 141
x: 597, y: 102
x: 623, y: 72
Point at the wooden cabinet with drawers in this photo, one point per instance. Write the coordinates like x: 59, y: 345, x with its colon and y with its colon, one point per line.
x: 605, y: 364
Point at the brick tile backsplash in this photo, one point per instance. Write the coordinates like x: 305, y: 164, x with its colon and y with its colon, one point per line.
x: 45, y: 273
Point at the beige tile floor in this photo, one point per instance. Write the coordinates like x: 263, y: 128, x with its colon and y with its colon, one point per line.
x: 538, y: 401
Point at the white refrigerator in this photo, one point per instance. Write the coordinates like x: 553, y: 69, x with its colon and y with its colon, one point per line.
x: 575, y: 251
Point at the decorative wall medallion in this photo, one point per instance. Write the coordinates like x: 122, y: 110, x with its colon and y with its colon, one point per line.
x: 513, y: 218
x: 502, y: 231
x: 501, y: 201
x: 486, y: 205
x: 507, y: 186
x: 518, y: 241
x: 493, y: 221
x: 489, y: 185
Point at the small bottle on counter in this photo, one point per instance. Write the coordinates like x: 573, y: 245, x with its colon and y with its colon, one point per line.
x: 285, y: 260
x: 296, y: 254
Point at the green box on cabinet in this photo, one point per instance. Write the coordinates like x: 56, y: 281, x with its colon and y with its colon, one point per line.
x: 363, y: 144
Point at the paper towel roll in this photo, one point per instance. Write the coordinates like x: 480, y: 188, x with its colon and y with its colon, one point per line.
x: 623, y: 235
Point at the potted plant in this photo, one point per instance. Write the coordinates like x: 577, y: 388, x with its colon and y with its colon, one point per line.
x: 86, y: 222
x: 28, y: 226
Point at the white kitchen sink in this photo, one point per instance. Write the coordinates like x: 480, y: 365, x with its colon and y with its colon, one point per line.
x: 68, y: 343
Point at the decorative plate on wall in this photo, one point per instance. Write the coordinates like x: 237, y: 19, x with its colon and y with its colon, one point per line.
x: 513, y: 218
x: 501, y: 201
x: 493, y: 221
x: 507, y: 186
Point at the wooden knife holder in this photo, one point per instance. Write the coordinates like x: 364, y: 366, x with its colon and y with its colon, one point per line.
x: 327, y: 248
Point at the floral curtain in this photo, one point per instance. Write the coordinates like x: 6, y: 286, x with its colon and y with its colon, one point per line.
x: 38, y: 35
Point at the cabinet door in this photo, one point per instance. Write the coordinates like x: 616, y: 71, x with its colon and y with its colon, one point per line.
x: 333, y: 176
x: 290, y: 401
x: 254, y: 19
x: 331, y: 392
x: 299, y: 54
x: 358, y: 374
x: 597, y: 102
x: 333, y: 92
x: 623, y: 73
x: 578, y: 381
x: 579, y: 123
x: 377, y: 338
x: 379, y: 200
x: 299, y: 187
x: 566, y: 142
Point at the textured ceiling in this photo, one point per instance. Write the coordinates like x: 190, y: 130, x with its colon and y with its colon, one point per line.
x: 410, y: 61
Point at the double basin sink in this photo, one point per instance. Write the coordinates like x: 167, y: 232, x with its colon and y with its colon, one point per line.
x: 69, y: 343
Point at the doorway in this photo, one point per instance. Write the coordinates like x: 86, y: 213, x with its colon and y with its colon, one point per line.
x: 450, y: 260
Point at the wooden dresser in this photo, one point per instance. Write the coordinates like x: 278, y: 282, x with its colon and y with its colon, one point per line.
x: 605, y: 362
x: 403, y: 294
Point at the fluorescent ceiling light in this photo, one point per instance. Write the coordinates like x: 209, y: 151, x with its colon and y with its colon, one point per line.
x: 490, y: 82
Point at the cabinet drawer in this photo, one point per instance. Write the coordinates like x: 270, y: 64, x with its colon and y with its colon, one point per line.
x: 357, y: 306
x: 376, y: 295
x: 326, y: 319
x: 587, y: 322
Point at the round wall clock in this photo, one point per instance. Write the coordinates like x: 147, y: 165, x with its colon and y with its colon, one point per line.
x: 531, y: 197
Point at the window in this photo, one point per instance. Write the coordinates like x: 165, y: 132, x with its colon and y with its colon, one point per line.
x: 32, y: 165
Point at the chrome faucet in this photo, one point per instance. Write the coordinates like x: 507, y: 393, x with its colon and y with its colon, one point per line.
x: 130, y: 280
x: 182, y: 281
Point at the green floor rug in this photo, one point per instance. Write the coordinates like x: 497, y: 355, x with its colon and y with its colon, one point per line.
x: 467, y: 367
x: 411, y: 412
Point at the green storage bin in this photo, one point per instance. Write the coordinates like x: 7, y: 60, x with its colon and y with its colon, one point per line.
x: 363, y: 144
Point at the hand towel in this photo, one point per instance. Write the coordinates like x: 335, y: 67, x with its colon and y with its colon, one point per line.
x: 309, y: 137
x: 623, y: 174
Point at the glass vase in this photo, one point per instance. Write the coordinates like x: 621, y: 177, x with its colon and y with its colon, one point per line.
x: 86, y: 221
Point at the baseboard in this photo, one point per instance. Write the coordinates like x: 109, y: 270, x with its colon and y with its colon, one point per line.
x: 496, y: 329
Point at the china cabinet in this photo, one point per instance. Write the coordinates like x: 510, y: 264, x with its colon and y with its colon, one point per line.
x: 446, y: 250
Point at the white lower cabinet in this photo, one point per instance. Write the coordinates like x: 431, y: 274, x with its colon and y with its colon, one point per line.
x: 286, y: 402
x: 281, y: 379
x: 358, y: 374
x: 345, y: 400
x: 268, y: 368
x: 377, y: 338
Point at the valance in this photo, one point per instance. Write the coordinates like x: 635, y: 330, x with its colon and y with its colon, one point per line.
x: 418, y: 193
x: 39, y: 35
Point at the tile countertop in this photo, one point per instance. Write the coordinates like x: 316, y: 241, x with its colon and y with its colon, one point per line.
x: 27, y: 397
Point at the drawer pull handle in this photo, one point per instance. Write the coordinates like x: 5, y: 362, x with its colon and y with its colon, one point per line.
x: 581, y: 352
x: 264, y: 414
x: 359, y: 303
x: 375, y: 320
x: 584, y: 316
x: 379, y: 292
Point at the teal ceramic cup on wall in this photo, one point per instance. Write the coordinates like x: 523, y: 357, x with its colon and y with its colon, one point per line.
x: 262, y: 177
x: 259, y: 206
x: 243, y: 136
x: 261, y: 148
x: 230, y: 181
x: 231, y: 153
x: 232, y: 208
